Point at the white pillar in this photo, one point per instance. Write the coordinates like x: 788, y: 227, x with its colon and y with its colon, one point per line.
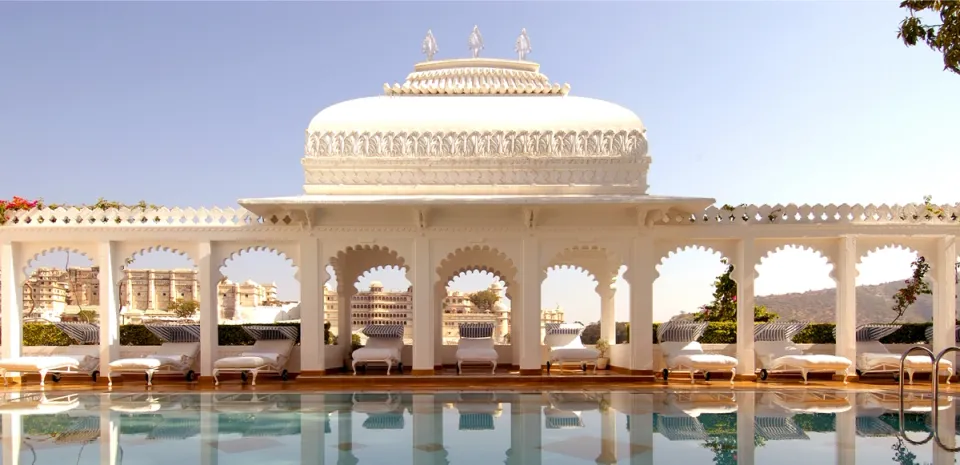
x: 313, y: 437
x: 423, y: 308
x: 944, y: 296
x: 642, y: 273
x: 744, y: 273
x: 428, y: 431
x: 845, y: 273
x: 209, y: 274
x: 516, y: 323
x: 12, y: 438
x: 312, y: 277
x: 641, y: 437
x: 529, y: 340
x: 746, y: 426
x: 438, y: 328
x: 847, y: 434
x: 608, y: 318
x: 209, y: 426
x: 109, y: 435
x: 345, y: 293
x: 11, y: 301
x: 345, y: 437
x: 526, y: 439
x: 608, y: 437
x: 947, y: 431
x: 109, y: 311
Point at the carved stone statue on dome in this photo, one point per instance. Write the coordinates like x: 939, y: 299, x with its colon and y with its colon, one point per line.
x: 429, y: 47
x: 475, y: 42
x: 523, y: 45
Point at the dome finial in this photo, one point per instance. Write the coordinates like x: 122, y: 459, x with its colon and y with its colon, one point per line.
x: 475, y: 42
x: 429, y: 46
x: 523, y: 45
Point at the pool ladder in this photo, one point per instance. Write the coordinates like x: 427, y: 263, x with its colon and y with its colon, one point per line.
x: 935, y: 381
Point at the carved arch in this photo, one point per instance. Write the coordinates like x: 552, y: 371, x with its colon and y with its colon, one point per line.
x: 130, y: 252
x: 353, y: 261
x: 825, y: 249
x: 477, y: 258
x: 870, y: 246
x: 32, y: 252
x: 600, y: 264
x: 288, y: 252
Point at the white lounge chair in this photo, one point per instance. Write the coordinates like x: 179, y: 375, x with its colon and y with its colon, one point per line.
x: 82, y: 358
x: 678, y: 413
x: 269, y: 354
x: 873, y: 357
x: 384, y: 345
x: 176, y: 355
x: 566, y: 346
x: 777, y: 353
x: 681, y: 351
x: 476, y: 345
x: 566, y: 409
x: 478, y: 410
x: 37, y: 403
x: 384, y: 410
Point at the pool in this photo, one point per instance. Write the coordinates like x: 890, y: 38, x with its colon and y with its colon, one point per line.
x: 799, y: 426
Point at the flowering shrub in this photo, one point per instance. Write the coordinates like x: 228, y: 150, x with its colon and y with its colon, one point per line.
x: 17, y: 204
x: 21, y: 204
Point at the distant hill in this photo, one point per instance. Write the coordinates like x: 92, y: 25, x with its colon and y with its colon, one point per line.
x: 874, y: 305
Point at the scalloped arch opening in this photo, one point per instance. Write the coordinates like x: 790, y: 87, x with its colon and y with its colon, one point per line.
x: 160, y: 254
x: 392, y: 277
x: 688, y: 250
x: 262, y: 276
x: 58, y: 257
x: 886, y: 263
x: 477, y: 258
x: 793, y: 268
x: 356, y: 261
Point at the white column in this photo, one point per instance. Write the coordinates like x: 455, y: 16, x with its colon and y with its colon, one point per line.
x: 526, y: 438
x: 641, y: 439
x: 423, y: 308
x: 744, y: 273
x: 847, y: 434
x: 608, y: 319
x: 12, y: 438
x: 608, y: 437
x: 845, y: 273
x: 109, y: 436
x: 11, y: 301
x: 209, y: 274
x: 313, y: 437
x: 345, y: 292
x: 529, y: 340
x: 109, y: 311
x: 642, y: 272
x: 438, y: 329
x: 312, y: 277
x: 947, y: 430
x: 428, y: 431
x: 209, y: 426
x: 516, y: 323
x: 345, y: 437
x: 746, y: 426
x: 944, y: 296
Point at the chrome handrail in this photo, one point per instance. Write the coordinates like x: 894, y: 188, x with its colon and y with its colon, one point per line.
x: 936, y: 379
x: 936, y: 397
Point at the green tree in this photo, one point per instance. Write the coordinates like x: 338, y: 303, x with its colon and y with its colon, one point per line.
x: 942, y: 36
x: 724, y: 305
x: 485, y: 300
x: 184, y: 308
x: 87, y: 316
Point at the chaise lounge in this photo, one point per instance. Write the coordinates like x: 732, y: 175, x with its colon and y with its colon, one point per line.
x: 476, y: 346
x: 176, y: 355
x: 873, y: 356
x: 269, y: 354
x: 384, y: 345
x: 777, y: 352
x: 82, y: 357
x: 566, y: 346
x: 681, y: 351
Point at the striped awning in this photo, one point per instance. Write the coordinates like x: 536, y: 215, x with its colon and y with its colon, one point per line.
x: 476, y: 422
x: 272, y: 333
x: 393, y: 331
x: 82, y: 333
x: 779, y: 429
x: 564, y: 422
x: 681, y: 428
x: 82, y: 430
x: 872, y: 332
x: 476, y: 330
x: 564, y: 328
x: 775, y: 332
x: 384, y: 421
x: 175, y: 333
x: 929, y: 334
x: 875, y: 427
x: 680, y: 331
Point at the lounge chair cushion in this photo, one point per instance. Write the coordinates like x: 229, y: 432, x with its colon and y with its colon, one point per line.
x: 811, y: 361
x: 379, y: 349
x: 572, y: 354
x: 34, y: 364
x: 476, y: 350
x: 152, y: 362
x: 249, y: 360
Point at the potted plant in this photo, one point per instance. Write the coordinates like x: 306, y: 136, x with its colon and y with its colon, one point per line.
x: 604, y: 347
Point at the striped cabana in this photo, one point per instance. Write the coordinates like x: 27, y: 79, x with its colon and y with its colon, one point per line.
x: 779, y: 428
x: 929, y: 334
x: 558, y: 419
x: 175, y: 333
x: 272, y: 333
x: 388, y: 331
x: 681, y: 428
x: 476, y: 422
x: 680, y: 331
x: 776, y: 332
x: 872, y: 332
x: 81, y: 333
x: 384, y: 421
x: 476, y: 330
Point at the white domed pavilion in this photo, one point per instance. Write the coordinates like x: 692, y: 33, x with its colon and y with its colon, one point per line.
x: 478, y: 164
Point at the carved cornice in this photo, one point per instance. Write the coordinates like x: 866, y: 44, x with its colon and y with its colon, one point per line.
x: 477, y: 77
x: 492, y: 144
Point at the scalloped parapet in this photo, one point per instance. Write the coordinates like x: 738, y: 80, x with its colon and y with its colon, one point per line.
x: 714, y: 216
x: 477, y: 76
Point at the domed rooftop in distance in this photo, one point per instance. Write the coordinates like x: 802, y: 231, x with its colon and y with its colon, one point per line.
x: 474, y: 131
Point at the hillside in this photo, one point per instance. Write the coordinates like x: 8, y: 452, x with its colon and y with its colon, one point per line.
x: 874, y: 305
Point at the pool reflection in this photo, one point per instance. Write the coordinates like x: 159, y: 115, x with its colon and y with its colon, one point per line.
x: 695, y: 427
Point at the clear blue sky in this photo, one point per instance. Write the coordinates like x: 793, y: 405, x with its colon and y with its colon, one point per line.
x: 199, y: 104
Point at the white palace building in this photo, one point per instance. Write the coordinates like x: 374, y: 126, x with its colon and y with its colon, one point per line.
x: 478, y: 164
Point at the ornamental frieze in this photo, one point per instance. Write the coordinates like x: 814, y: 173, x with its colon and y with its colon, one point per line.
x: 476, y: 144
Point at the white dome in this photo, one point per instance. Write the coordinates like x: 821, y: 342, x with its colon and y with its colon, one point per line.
x: 457, y: 113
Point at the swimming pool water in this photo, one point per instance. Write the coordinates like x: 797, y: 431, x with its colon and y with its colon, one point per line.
x: 682, y: 427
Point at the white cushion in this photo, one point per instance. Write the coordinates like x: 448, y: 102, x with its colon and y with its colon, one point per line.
x: 147, y: 363
x: 776, y: 349
x: 703, y: 361
x: 273, y: 346
x: 871, y: 347
x: 570, y: 354
x: 40, y: 363
x: 246, y: 361
x: 477, y: 354
x: 393, y: 343
x: 811, y: 362
x: 188, y: 349
x: 673, y: 349
x: 372, y: 354
x: 870, y: 361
